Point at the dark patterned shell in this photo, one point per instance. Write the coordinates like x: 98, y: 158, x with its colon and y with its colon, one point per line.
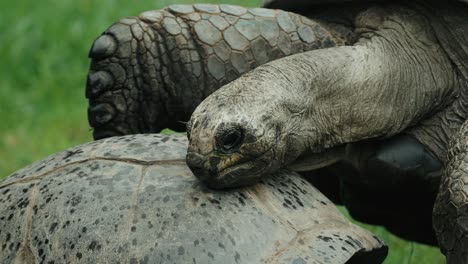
x: 448, y: 19
x: 305, y: 5
x: 132, y: 199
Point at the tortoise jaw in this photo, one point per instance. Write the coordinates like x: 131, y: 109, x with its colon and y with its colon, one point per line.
x: 195, y: 162
x: 237, y: 175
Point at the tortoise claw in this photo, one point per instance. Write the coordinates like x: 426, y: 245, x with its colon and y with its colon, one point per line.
x: 98, y: 82
x: 104, y: 46
x: 100, y: 114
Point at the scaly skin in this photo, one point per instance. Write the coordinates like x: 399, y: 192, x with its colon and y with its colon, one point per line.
x: 150, y: 72
x: 450, y: 216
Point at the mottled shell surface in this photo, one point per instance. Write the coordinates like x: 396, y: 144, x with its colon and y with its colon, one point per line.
x: 132, y: 199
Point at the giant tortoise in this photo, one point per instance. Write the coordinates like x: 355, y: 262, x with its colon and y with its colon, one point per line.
x: 132, y: 199
x: 389, y: 106
x: 373, y: 107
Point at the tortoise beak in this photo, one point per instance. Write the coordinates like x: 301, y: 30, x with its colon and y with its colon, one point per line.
x: 195, y: 162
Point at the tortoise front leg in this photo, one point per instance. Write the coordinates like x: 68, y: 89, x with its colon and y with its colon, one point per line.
x: 450, y: 216
x: 150, y: 72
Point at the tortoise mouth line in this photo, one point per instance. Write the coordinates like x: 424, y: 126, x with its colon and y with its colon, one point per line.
x: 253, y: 166
x: 228, y: 171
x: 240, y: 174
x: 236, y: 176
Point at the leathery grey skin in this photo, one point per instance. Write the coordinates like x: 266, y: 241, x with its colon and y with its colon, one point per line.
x: 132, y: 199
x: 150, y: 72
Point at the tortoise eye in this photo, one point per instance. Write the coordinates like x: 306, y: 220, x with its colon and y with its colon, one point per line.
x: 231, y: 140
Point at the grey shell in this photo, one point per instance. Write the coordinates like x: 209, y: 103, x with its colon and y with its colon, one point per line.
x: 132, y: 199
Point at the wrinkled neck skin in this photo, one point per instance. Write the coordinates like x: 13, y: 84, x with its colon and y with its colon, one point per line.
x: 315, y: 103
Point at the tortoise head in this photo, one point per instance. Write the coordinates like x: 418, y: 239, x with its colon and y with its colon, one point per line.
x: 235, y: 138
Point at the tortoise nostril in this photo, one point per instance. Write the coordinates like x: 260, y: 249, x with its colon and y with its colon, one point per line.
x: 195, y: 163
x: 194, y: 159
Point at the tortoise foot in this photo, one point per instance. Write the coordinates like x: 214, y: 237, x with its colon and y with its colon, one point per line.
x: 119, y: 81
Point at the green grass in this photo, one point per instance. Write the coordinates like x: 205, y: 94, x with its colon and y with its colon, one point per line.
x: 43, y: 65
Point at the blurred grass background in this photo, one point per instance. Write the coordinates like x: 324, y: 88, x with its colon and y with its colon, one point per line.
x: 43, y: 66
